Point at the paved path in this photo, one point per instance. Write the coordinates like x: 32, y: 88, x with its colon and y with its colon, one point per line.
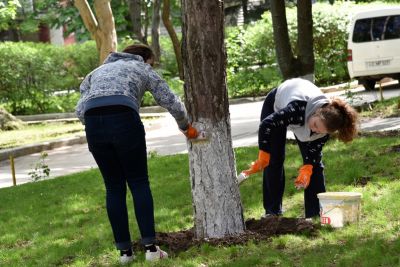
x: 163, y: 137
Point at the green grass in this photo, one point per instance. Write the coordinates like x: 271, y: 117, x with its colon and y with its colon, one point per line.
x: 384, y: 109
x: 45, y: 132
x: 63, y: 222
x: 37, y: 133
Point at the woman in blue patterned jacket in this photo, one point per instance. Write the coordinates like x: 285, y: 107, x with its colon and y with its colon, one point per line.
x: 299, y: 105
x: 109, y: 107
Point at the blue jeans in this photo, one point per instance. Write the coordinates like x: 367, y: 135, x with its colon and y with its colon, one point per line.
x: 274, y: 174
x: 117, y: 142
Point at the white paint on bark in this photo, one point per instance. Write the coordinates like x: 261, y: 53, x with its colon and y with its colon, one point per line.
x: 216, y: 197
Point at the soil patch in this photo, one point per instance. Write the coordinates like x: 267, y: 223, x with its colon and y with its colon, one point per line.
x: 362, y: 181
x: 256, y: 230
x: 395, y: 148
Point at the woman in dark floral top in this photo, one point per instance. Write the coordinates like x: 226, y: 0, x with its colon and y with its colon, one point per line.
x: 300, y: 106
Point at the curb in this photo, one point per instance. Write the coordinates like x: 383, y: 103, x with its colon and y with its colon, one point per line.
x: 39, y: 147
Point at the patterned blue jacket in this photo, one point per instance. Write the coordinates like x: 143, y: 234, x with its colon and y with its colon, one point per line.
x: 122, y: 80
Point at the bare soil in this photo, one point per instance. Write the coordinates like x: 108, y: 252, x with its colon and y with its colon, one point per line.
x: 256, y: 230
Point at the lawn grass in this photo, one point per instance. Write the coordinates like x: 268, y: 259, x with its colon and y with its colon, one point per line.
x: 47, y: 131
x: 63, y: 222
x: 384, y: 109
x: 37, y: 133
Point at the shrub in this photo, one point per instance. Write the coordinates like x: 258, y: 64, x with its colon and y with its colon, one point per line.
x: 33, y: 72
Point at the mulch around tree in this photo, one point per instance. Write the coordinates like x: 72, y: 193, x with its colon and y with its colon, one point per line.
x: 256, y: 230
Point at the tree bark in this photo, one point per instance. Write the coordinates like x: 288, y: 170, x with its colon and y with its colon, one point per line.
x: 102, y: 30
x: 290, y: 66
x: 216, y: 198
x: 155, y: 31
x: 135, y: 9
x: 172, y: 34
x: 146, y: 21
x: 282, y: 41
x: 305, y: 39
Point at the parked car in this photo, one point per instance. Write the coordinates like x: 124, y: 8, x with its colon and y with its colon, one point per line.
x: 374, y: 45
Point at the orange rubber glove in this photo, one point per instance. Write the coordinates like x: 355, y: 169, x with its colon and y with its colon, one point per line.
x: 259, y: 164
x: 191, y: 132
x: 303, y: 180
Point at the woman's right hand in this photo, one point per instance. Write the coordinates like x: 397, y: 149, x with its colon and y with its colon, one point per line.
x: 259, y: 164
x: 190, y: 132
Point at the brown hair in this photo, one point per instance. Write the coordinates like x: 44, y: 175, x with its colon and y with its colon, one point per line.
x: 339, y: 116
x: 141, y: 50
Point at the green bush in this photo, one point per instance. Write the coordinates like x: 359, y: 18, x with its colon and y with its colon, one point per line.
x: 330, y: 44
x: 32, y: 73
x: 254, y: 45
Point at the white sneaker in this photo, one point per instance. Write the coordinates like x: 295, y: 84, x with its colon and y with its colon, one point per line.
x: 157, y: 255
x: 125, y: 259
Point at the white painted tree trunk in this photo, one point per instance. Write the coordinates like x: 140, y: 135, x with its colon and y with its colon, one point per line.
x: 216, y: 197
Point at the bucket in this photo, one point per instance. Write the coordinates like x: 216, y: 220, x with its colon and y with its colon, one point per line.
x: 339, y: 208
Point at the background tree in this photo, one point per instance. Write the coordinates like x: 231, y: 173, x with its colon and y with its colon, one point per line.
x: 155, y: 30
x: 135, y: 12
x: 289, y: 65
x: 102, y: 29
x: 8, y: 11
x: 217, y: 206
x: 174, y: 38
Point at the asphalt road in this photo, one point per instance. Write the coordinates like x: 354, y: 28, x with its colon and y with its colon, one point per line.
x: 163, y: 137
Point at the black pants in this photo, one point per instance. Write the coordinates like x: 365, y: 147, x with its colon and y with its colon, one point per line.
x: 117, y: 142
x: 274, y: 174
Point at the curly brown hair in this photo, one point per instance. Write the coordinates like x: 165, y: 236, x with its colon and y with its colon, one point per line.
x: 339, y: 116
x: 141, y: 50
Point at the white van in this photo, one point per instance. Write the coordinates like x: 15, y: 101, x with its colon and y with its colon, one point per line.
x: 374, y: 46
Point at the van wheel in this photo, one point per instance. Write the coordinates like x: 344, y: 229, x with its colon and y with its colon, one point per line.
x: 369, y: 85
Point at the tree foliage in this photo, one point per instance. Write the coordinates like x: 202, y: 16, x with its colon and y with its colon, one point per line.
x: 8, y: 11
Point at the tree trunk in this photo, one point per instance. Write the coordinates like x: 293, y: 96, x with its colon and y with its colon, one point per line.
x: 102, y: 30
x: 155, y: 31
x: 305, y: 39
x: 146, y: 20
x: 245, y: 11
x: 172, y: 34
x: 290, y: 66
x: 216, y: 198
x: 282, y: 41
x: 135, y: 9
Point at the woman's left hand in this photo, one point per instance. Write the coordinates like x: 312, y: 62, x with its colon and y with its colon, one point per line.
x: 303, y: 180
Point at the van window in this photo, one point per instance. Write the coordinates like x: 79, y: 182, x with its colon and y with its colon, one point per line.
x: 393, y: 28
x: 376, y: 29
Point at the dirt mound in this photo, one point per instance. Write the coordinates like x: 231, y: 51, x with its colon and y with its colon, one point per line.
x: 255, y: 230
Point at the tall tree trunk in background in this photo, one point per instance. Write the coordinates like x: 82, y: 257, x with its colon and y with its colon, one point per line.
x: 216, y: 199
x: 155, y: 30
x: 102, y: 30
x: 282, y: 41
x: 245, y: 11
x: 305, y: 39
x: 290, y: 66
x: 146, y: 20
x: 135, y: 9
x: 172, y: 34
